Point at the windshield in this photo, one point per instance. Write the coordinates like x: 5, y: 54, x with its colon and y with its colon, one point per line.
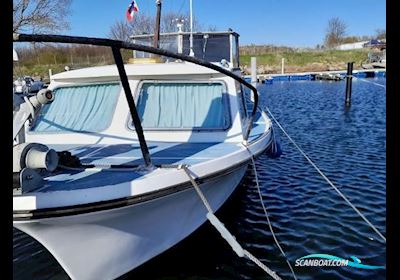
x: 182, y: 105
x: 210, y: 47
x: 87, y: 108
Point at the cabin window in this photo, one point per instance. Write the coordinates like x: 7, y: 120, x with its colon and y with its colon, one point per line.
x: 86, y: 108
x: 180, y: 105
x: 241, y: 101
x: 235, y: 50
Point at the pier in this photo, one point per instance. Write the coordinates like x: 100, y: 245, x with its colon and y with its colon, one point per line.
x: 311, y: 76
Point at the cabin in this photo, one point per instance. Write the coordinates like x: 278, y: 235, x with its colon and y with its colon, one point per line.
x: 176, y: 101
x: 209, y: 46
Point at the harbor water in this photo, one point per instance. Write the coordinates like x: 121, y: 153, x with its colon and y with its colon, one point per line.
x: 308, y: 216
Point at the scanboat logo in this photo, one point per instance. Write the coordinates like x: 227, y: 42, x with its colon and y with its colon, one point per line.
x: 329, y: 260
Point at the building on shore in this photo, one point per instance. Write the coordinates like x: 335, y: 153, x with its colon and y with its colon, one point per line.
x: 373, y: 44
x: 352, y: 46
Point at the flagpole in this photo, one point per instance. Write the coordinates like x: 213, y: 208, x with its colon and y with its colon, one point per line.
x: 191, y: 29
x: 156, y: 42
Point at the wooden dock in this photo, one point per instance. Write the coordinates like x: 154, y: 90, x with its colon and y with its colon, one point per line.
x: 360, y: 73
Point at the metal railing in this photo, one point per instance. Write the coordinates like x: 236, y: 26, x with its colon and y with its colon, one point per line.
x: 116, y: 47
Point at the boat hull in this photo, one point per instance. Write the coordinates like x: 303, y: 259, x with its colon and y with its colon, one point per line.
x: 107, y: 244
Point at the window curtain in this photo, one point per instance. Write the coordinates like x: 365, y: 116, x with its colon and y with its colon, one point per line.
x: 86, y: 108
x: 183, y: 105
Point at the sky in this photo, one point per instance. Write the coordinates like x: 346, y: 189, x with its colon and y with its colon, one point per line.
x: 295, y: 23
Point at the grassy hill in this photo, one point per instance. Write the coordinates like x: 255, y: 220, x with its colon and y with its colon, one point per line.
x: 37, y: 62
x: 305, y: 60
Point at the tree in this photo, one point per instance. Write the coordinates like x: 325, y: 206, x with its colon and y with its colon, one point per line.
x: 212, y: 28
x: 141, y: 24
x: 120, y: 31
x: 144, y: 24
x: 351, y: 39
x: 380, y: 34
x: 335, y: 32
x: 40, y: 15
x: 366, y: 38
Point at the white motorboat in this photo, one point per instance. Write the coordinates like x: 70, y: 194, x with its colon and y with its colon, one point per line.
x: 114, y: 195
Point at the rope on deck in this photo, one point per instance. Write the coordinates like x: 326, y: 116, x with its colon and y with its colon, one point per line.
x: 224, y: 232
x: 327, y: 179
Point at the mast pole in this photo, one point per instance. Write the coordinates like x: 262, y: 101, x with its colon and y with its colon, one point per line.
x: 191, y: 29
x: 156, y: 43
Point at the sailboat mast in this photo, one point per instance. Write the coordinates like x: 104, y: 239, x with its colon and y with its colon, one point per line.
x: 156, y: 43
x: 191, y: 29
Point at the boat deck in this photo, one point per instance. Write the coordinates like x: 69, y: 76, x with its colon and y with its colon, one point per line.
x: 160, y: 152
x: 129, y: 155
x: 125, y: 155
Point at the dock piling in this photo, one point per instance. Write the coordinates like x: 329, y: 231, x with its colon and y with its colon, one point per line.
x: 253, y: 74
x: 349, y: 78
x: 283, y: 66
x: 253, y: 70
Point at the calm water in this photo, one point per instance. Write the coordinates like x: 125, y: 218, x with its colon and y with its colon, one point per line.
x: 307, y: 215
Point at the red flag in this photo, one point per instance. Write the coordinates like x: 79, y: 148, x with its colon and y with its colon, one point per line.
x: 132, y: 9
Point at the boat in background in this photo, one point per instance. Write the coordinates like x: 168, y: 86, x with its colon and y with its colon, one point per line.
x: 377, y: 55
x: 329, y: 77
x: 98, y: 156
x: 376, y: 59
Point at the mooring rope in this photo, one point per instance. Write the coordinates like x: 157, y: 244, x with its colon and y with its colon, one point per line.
x: 261, y: 265
x: 197, y: 188
x: 223, y: 231
x: 366, y: 81
x: 327, y: 179
x: 266, y: 215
